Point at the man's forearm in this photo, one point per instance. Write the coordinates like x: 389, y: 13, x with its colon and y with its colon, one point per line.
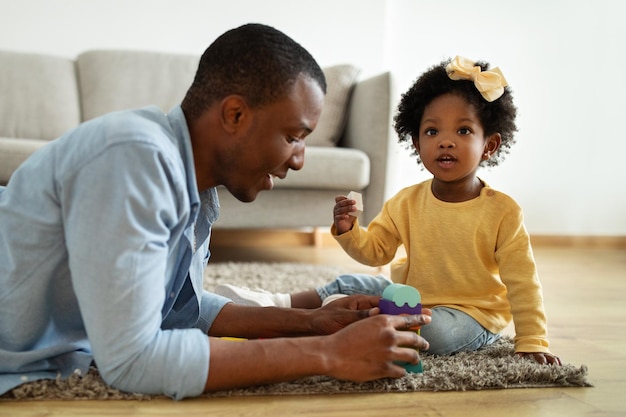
x: 254, y: 362
x: 251, y: 322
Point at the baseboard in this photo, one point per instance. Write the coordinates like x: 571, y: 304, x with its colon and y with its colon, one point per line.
x: 604, y: 242
x: 318, y: 237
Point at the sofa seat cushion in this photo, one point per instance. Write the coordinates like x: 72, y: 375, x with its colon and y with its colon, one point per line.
x: 15, y: 151
x: 341, y: 169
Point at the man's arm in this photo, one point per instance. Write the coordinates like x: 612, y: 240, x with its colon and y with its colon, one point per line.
x: 362, y: 351
x: 255, y: 322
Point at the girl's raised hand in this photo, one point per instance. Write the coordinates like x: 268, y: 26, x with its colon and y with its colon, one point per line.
x: 341, y: 213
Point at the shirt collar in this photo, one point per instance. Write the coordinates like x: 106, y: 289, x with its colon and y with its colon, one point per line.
x: 178, y: 124
x: 209, y: 199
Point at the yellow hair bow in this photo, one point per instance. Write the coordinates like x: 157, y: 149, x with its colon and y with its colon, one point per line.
x: 490, y: 84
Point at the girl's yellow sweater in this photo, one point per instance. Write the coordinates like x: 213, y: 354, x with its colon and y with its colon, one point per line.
x: 474, y: 256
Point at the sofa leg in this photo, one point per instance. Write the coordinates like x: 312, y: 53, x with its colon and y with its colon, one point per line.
x: 318, y: 237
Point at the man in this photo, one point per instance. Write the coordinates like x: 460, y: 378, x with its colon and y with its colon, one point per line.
x: 104, y: 237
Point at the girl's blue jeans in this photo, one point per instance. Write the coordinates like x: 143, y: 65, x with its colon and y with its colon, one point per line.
x: 450, y: 331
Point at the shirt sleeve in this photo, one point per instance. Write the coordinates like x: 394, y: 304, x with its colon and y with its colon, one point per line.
x: 122, y: 214
x: 518, y: 271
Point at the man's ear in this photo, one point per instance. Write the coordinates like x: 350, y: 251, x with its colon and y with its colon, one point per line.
x: 234, y: 112
x: 491, y: 145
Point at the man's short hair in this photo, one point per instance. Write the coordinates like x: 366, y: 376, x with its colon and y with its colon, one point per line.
x: 255, y: 61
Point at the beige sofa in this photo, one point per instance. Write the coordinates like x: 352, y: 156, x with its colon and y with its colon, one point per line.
x: 43, y: 96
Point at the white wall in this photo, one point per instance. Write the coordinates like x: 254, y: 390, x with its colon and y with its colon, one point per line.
x: 563, y: 60
x: 331, y: 30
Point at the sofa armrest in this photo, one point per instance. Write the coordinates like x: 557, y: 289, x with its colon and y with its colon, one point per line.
x: 369, y: 129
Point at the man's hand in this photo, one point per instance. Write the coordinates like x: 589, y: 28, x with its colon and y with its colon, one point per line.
x: 367, y: 349
x: 342, y: 312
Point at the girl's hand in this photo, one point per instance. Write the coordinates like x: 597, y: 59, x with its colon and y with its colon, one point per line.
x: 542, y: 358
x: 342, y: 218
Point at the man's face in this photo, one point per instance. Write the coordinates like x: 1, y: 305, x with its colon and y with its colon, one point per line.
x: 272, y: 142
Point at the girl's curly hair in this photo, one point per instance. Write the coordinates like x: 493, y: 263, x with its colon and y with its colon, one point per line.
x: 497, y: 116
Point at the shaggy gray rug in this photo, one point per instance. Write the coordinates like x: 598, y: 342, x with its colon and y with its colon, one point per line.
x: 493, y: 367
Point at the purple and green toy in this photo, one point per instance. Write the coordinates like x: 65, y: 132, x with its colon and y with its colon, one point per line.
x: 400, y: 299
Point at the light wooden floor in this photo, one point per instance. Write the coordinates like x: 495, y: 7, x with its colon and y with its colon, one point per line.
x: 585, y: 299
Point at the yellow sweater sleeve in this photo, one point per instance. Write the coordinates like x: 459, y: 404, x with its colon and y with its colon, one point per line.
x: 474, y: 256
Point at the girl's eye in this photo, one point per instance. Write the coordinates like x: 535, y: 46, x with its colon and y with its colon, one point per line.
x: 465, y: 131
x: 430, y: 132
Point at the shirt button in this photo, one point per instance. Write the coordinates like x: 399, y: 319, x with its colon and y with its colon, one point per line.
x: 490, y: 193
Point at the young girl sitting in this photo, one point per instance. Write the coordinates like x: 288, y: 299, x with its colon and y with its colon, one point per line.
x: 468, y: 251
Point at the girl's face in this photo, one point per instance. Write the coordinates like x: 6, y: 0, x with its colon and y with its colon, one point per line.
x: 452, y: 142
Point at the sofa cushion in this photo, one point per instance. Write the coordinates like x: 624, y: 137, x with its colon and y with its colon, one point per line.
x: 13, y: 152
x: 335, y: 168
x: 106, y: 77
x: 340, y: 80
x: 39, y: 95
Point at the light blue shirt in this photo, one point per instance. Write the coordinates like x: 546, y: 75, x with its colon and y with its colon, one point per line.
x: 103, y: 243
